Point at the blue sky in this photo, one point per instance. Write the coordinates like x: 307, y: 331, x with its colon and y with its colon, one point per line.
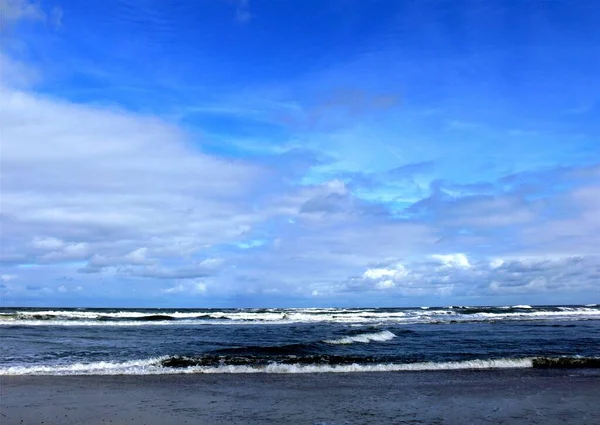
x: 250, y: 153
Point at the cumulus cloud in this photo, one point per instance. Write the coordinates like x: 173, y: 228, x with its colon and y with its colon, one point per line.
x: 385, y: 273
x: 83, y: 182
x: 401, y: 256
x: 70, y: 252
x: 200, y: 269
x: 576, y: 229
x: 192, y: 288
x: 524, y: 275
x: 452, y: 260
x: 46, y: 243
x: 137, y: 257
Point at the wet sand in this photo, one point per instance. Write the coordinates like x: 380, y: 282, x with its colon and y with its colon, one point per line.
x: 526, y: 396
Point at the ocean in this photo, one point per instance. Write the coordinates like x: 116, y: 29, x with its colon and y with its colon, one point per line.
x: 90, y: 341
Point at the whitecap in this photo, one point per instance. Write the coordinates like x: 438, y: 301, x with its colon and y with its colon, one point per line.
x: 152, y: 367
x: 363, y: 338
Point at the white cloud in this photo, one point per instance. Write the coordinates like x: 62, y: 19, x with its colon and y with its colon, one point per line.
x: 452, y: 260
x: 69, y: 252
x: 15, y: 73
x: 13, y: 11
x: 55, y: 17
x: 385, y: 284
x: 496, y: 262
x: 138, y: 256
x: 47, y: 243
x: 486, y: 277
x: 575, y: 233
x: 84, y: 182
x: 242, y: 11
x: 193, y: 288
x: 377, y: 273
x: 211, y: 263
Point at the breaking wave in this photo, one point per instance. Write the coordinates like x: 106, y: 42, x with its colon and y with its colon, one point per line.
x: 157, y: 366
x: 210, y: 365
x: 453, y: 314
x: 363, y: 338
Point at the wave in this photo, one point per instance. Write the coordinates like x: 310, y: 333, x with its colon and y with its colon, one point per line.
x: 155, y: 317
x: 158, y: 366
x: 363, y: 338
x: 565, y: 362
x: 183, y: 365
x: 454, y: 314
x: 257, y: 361
x: 133, y: 367
x: 269, y: 350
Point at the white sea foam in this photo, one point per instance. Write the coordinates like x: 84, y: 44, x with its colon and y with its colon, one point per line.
x: 59, y: 322
x: 151, y: 367
x: 522, y: 306
x: 133, y: 367
x: 363, y: 338
x: 390, y: 367
x: 287, y: 316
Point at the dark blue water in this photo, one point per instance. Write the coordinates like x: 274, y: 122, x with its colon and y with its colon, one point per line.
x: 97, y: 341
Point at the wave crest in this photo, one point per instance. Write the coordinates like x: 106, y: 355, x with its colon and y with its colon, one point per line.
x: 155, y: 367
x: 363, y: 338
x: 190, y: 365
x: 161, y: 317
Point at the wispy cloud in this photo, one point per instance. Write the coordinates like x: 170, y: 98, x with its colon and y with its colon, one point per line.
x: 14, y: 11
x: 242, y: 11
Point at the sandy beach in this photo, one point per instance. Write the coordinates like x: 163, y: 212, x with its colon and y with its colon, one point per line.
x: 445, y: 397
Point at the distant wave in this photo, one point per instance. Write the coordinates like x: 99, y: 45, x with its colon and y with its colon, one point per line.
x: 157, y: 366
x: 453, y: 314
x: 155, y: 317
x: 363, y: 338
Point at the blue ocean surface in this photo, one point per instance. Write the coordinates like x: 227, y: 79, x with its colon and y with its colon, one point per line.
x: 36, y: 341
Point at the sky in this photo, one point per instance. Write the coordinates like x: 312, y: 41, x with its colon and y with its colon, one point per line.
x: 249, y: 153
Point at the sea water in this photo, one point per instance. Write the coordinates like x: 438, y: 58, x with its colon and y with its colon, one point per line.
x: 63, y: 341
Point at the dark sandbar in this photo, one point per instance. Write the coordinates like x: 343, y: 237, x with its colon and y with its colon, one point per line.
x: 523, y: 396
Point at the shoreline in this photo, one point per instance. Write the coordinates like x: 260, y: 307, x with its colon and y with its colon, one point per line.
x: 512, y: 396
